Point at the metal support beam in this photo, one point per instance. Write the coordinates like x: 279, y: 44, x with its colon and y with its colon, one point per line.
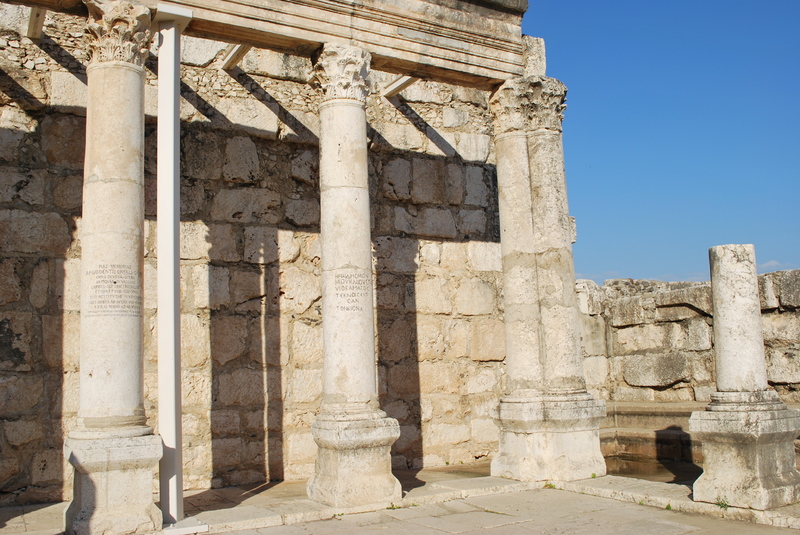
x: 36, y: 23
x: 396, y: 86
x: 234, y: 56
x: 170, y: 20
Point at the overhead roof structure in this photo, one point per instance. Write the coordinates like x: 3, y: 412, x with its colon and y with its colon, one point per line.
x: 470, y: 42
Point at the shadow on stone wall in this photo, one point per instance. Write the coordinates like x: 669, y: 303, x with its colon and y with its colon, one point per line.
x: 674, y: 453
x: 38, y: 314
x: 398, y: 364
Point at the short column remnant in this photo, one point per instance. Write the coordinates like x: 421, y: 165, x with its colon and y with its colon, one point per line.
x: 353, y: 435
x: 549, y: 423
x: 112, y: 449
x: 746, y: 431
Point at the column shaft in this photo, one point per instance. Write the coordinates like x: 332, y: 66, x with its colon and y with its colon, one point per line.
x: 738, y: 335
x: 553, y: 232
x: 353, y: 436
x: 347, y: 304
x: 111, y: 394
x: 524, y: 351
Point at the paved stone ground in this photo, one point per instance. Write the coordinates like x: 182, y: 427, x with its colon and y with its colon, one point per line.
x: 544, y: 511
x: 459, y: 499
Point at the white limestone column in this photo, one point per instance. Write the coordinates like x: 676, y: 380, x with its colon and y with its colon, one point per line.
x: 112, y: 449
x: 353, y: 435
x: 553, y: 236
x: 524, y: 370
x: 549, y: 423
x: 738, y: 335
x: 746, y: 431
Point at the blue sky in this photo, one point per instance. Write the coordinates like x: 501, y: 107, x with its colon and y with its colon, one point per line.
x: 682, y: 130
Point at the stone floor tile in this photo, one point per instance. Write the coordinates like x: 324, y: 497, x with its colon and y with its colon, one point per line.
x: 368, y: 519
x: 12, y: 519
x: 44, y: 517
x: 209, y: 500
x: 283, y: 530
x: 305, y: 510
x: 461, y: 522
x: 429, y: 495
x: 407, y: 513
x: 459, y: 506
x: 242, y: 517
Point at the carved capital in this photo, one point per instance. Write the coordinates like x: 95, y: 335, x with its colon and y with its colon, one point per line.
x: 548, y: 97
x: 529, y: 103
x: 511, y: 107
x: 118, y: 30
x: 342, y: 72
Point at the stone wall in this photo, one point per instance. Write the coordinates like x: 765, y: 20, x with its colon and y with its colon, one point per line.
x: 647, y: 341
x: 250, y: 284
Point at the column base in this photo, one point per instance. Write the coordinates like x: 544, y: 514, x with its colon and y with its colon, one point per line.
x: 748, y: 452
x: 550, y: 438
x: 113, y: 490
x: 354, y: 464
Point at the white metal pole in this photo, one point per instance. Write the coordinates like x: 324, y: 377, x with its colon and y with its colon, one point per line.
x: 170, y: 19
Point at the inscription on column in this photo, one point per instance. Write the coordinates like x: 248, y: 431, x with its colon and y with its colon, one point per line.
x: 352, y: 290
x: 114, y: 290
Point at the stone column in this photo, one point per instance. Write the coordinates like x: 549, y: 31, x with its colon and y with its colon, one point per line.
x: 746, y: 431
x: 112, y: 449
x: 549, y: 423
x: 353, y: 435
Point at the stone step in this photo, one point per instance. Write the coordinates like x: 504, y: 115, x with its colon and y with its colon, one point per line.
x: 654, y: 431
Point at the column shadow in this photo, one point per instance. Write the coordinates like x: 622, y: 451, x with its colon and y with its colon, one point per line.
x: 398, y: 366
x: 674, y: 453
x: 39, y: 321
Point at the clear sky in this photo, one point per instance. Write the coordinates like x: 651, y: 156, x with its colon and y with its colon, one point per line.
x: 682, y: 130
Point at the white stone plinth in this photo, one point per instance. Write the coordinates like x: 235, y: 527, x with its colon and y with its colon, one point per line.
x: 553, y: 438
x: 749, y: 458
x: 353, y: 460
x: 113, y: 492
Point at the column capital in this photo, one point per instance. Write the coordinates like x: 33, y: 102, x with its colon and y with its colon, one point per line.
x: 529, y: 103
x: 511, y: 106
x: 342, y: 72
x: 118, y: 30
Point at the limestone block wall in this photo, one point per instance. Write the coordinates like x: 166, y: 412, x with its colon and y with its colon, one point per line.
x: 646, y: 341
x: 250, y: 254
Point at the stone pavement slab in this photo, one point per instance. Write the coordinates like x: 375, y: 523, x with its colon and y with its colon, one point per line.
x: 542, y: 511
x: 459, y: 502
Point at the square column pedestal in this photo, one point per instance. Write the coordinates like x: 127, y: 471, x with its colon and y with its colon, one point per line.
x: 354, y: 462
x: 113, y: 485
x: 748, y: 451
x: 552, y: 438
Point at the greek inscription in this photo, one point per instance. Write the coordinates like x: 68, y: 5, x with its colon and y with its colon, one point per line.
x: 114, y: 290
x: 353, y: 291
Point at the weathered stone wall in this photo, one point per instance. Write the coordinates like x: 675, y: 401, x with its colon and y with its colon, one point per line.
x: 653, y: 341
x: 250, y: 276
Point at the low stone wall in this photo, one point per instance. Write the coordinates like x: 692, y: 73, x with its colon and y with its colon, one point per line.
x: 653, y: 341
